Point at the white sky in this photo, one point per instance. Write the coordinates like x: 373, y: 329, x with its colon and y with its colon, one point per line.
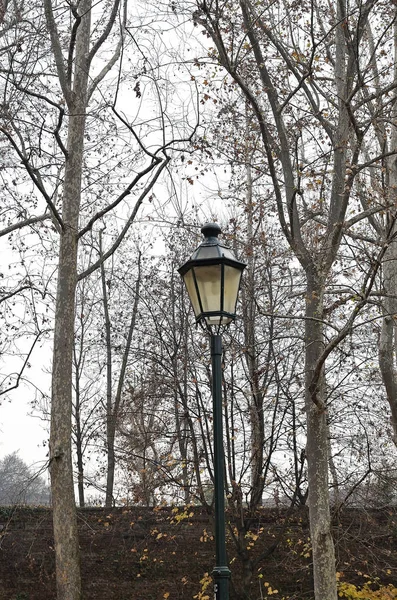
x: 21, y: 429
x: 22, y: 432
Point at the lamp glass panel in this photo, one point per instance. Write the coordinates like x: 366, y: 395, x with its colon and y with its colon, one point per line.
x: 209, y: 284
x: 191, y: 290
x: 231, y: 286
x: 206, y: 252
x: 223, y: 320
x: 227, y: 253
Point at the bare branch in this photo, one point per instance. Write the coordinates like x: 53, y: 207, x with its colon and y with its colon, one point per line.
x: 116, y: 202
x: 364, y: 295
x: 57, y: 50
x: 26, y: 361
x: 126, y: 227
x: 72, y: 43
x: 105, y: 32
x: 34, y: 175
x: 25, y: 223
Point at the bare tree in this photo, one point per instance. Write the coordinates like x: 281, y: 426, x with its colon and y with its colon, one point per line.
x: 52, y: 119
x: 311, y: 93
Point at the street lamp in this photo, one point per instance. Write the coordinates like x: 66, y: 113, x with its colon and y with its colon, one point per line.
x: 212, y: 277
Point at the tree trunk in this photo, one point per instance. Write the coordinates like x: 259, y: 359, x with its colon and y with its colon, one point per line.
x: 61, y: 468
x: 317, y: 448
x: 111, y: 462
x: 388, y: 337
x: 257, y: 397
x: 61, y: 465
x: 113, y: 408
x: 110, y: 424
x: 79, y: 446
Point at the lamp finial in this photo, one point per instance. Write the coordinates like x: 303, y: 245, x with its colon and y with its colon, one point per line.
x: 211, y: 230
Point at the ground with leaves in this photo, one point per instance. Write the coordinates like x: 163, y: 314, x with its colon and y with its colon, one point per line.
x: 165, y: 553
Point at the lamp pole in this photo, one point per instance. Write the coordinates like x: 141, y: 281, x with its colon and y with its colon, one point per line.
x: 212, y: 276
x: 221, y: 572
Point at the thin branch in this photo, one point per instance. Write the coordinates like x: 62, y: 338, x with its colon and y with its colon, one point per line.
x: 19, y: 376
x: 370, y: 162
x: 121, y: 197
x: 273, y: 315
x: 34, y: 175
x: 124, y: 362
x: 60, y: 108
x: 105, y: 32
x: 137, y: 138
x: 126, y: 227
x: 25, y: 223
x: 364, y: 215
x: 116, y: 55
x: 18, y: 291
x: 365, y: 293
x: 57, y: 50
x: 72, y: 43
x: 97, y: 80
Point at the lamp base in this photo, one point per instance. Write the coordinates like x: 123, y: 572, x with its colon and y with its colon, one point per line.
x: 221, y: 577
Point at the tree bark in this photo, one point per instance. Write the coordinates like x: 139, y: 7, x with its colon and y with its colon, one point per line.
x: 79, y: 444
x: 388, y: 337
x: 110, y: 424
x: 61, y: 465
x: 257, y: 397
x: 317, y: 447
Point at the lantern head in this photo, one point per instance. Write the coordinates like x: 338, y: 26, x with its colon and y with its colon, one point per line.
x: 212, y: 277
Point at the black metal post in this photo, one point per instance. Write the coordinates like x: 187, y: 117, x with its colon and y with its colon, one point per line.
x: 221, y: 572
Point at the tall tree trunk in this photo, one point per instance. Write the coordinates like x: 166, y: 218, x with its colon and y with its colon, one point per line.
x: 61, y: 465
x: 257, y: 397
x: 317, y: 447
x: 79, y: 444
x: 113, y: 407
x: 110, y: 425
x: 388, y: 337
x: 182, y: 426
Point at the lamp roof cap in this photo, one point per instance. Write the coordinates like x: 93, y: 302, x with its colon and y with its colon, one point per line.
x: 211, y: 230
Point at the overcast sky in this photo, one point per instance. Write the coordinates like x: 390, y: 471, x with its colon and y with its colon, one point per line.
x: 21, y: 432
